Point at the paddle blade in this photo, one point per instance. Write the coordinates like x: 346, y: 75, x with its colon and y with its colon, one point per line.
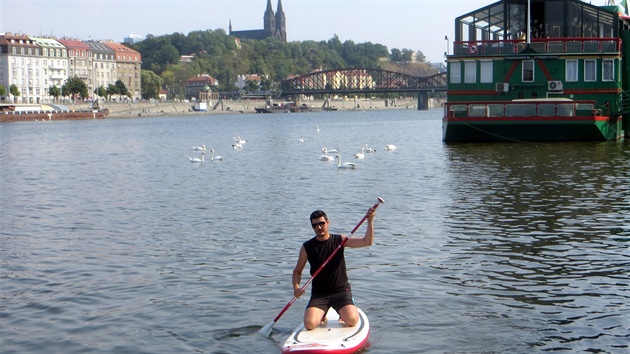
x: 266, y: 331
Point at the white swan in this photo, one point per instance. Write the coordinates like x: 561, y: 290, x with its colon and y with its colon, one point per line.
x: 332, y: 151
x: 360, y: 155
x: 369, y: 150
x: 196, y: 159
x: 390, y: 147
x: 317, y: 129
x: 302, y: 138
x: 199, y: 148
x: 325, y: 157
x: 344, y: 165
x: 238, y: 140
x: 212, y: 157
x: 237, y: 146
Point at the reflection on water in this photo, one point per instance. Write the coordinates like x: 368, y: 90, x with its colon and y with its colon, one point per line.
x: 112, y: 241
x: 545, y: 236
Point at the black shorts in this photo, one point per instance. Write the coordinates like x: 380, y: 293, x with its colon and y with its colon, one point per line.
x: 336, y: 300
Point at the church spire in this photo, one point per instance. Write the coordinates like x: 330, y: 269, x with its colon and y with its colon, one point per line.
x: 269, y: 20
x: 281, y: 23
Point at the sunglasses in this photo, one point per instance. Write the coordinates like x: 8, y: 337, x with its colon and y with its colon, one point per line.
x: 321, y: 223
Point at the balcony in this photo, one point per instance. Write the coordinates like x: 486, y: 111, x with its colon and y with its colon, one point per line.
x: 541, y: 46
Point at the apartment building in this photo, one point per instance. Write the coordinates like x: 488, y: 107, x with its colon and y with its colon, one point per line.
x: 54, y: 68
x: 128, y: 67
x: 105, y: 73
x: 80, y: 60
x: 35, y: 64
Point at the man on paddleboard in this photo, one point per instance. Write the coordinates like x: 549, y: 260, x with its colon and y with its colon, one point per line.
x: 331, y: 287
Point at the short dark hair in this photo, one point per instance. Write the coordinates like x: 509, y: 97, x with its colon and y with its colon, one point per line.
x: 318, y: 214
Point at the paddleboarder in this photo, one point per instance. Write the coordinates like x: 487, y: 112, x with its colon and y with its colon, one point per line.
x: 331, y: 287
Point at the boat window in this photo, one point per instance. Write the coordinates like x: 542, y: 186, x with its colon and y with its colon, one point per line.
x: 470, y: 72
x: 528, y: 71
x: 584, y: 107
x: 458, y: 108
x: 571, y: 70
x: 608, y: 70
x: 520, y: 110
x: 455, y: 72
x: 590, y: 72
x: 566, y: 110
x: 477, y: 111
x: 546, y: 110
x: 495, y: 110
x: 485, y: 71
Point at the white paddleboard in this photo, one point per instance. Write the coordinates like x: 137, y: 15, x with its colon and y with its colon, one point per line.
x: 330, y: 337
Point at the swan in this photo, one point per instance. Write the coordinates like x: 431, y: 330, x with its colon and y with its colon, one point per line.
x: 238, y: 140
x: 325, y: 157
x: 196, y: 159
x: 390, y: 147
x: 369, y: 150
x: 360, y: 155
x: 317, y: 129
x: 302, y: 138
x: 212, y: 157
x: 332, y: 151
x: 237, y: 146
x: 344, y: 165
x: 199, y: 148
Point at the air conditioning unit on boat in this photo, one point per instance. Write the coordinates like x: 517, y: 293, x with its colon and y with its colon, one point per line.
x: 503, y: 87
x: 554, y: 85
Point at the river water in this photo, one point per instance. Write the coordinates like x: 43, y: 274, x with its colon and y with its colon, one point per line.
x: 111, y: 241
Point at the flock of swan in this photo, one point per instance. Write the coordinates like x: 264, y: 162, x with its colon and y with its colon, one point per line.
x: 327, y: 154
x: 336, y: 155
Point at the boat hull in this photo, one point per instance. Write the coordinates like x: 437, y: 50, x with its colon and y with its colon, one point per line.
x: 42, y: 116
x: 554, y: 129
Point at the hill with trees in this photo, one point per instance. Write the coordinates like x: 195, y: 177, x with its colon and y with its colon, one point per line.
x: 224, y: 57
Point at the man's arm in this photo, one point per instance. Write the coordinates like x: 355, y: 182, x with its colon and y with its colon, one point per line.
x: 297, y: 272
x: 368, y: 238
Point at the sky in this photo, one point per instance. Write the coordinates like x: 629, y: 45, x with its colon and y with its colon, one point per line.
x: 404, y: 24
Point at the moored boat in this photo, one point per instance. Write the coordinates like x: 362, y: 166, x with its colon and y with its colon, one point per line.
x: 559, y: 76
x: 36, y: 112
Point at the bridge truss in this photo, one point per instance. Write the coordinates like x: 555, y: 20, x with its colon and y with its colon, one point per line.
x: 361, y: 81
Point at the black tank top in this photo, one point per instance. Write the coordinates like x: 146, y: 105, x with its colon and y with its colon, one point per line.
x: 333, y: 277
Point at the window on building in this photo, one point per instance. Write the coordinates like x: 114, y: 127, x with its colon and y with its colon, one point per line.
x: 608, y: 70
x: 571, y: 74
x: 470, y: 72
x: 455, y: 72
x: 485, y: 72
x: 590, y: 72
x: 528, y: 71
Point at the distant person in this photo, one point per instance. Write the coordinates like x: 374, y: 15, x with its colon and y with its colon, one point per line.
x: 330, y: 288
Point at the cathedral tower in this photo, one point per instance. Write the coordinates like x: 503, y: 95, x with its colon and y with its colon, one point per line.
x: 281, y: 23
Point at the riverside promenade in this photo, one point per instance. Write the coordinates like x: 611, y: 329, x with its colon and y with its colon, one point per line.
x: 175, y: 108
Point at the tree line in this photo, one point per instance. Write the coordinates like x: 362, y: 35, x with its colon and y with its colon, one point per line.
x: 215, y: 53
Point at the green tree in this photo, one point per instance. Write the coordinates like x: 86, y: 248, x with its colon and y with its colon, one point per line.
x: 396, y: 55
x: 3, y: 90
x: 73, y: 87
x: 15, y: 91
x: 122, y: 89
x: 407, y: 55
x: 112, y: 90
x: 101, y: 91
x: 151, y: 84
x: 54, y: 91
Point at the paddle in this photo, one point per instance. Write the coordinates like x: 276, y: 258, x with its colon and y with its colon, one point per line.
x: 267, y: 329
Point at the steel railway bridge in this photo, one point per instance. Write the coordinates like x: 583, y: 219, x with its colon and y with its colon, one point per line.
x: 364, y: 81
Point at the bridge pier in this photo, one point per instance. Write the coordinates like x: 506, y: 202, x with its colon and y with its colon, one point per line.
x: 423, y: 101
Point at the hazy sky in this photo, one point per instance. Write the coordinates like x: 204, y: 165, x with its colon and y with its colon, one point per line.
x: 413, y: 24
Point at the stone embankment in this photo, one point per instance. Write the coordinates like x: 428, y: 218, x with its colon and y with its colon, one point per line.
x: 176, y: 108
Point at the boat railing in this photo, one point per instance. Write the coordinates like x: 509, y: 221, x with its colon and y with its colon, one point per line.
x: 540, y: 45
x: 513, y: 109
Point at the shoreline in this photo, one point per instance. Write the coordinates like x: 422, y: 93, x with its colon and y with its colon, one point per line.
x: 174, y: 108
